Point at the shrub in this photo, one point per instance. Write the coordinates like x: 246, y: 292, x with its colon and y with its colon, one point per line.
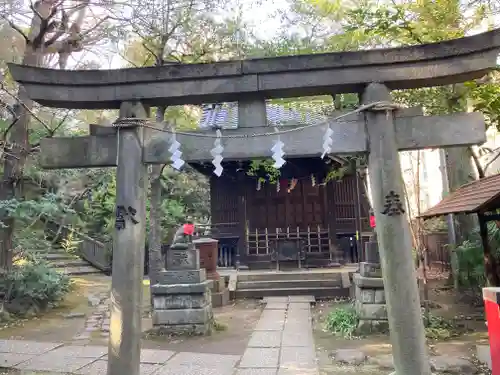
x: 438, y: 328
x: 32, y: 285
x: 343, y: 321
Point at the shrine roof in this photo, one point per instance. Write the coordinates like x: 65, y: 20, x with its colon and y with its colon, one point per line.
x: 225, y: 115
x: 475, y: 197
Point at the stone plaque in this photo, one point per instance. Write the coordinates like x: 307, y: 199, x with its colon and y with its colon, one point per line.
x: 370, y: 269
x: 182, y: 260
x: 183, y: 316
x: 181, y: 301
x: 182, y: 277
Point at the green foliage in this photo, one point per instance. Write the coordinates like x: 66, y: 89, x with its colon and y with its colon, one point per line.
x: 70, y: 244
x: 342, y: 321
x: 32, y: 285
x: 98, y: 213
x: 29, y: 236
x: 470, y: 256
x: 434, y: 225
x: 184, y: 193
x: 438, y: 328
x: 29, y: 212
x: 264, y: 170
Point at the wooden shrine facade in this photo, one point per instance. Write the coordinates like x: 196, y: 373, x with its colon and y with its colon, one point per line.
x: 248, y: 217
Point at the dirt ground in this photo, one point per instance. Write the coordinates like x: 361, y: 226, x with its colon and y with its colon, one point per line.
x: 55, y: 326
x: 468, y: 318
x: 235, y: 323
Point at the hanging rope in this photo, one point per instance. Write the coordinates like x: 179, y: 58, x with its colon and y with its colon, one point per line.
x: 146, y: 123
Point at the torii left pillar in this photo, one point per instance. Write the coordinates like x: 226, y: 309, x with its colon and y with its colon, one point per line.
x: 128, y: 261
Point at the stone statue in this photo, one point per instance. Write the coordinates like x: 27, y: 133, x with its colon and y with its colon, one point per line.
x: 183, y: 238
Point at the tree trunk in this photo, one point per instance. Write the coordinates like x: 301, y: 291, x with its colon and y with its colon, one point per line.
x: 460, y: 171
x: 155, y: 231
x: 11, y: 186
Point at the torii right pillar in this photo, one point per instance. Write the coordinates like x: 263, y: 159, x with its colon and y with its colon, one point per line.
x: 399, y: 274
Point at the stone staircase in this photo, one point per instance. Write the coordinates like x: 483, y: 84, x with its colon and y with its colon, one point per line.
x: 326, y: 283
x: 71, y: 265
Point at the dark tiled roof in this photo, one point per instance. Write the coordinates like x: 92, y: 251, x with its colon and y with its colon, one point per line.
x: 225, y: 115
x: 473, y: 197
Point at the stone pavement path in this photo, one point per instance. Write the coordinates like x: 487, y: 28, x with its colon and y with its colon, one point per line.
x: 282, y: 344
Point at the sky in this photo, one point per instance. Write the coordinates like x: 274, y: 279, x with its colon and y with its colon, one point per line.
x: 259, y: 16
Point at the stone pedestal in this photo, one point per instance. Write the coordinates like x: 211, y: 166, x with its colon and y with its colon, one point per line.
x: 182, y: 302
x: 220, y: 294
x: 369, y: 292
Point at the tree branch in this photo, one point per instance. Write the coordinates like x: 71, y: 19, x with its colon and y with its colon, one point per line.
x: 477, y: 162
x: 16, y: 28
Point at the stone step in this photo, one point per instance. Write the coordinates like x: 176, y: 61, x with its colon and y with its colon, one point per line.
x: 70, y: 262
x: 59, y: 256
x: 84, y: 270
x: 324, y: 292
x: 291, y: 275
x: 289, y: 284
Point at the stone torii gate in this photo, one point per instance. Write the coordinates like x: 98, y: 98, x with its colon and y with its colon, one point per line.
x: 379, y: 131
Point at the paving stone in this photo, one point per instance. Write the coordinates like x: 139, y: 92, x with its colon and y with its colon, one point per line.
x: 298, y: 357
x: 168, y: 369
x: 273, y: 315
x: 26, y: 347
x: 297, y: 371
x: 101, y: 368
x: 277, y: 306
x: 275, y: 299
x: 385, y: 361
x: 269, y: 325
x: 294, y: 322
x: 295, y: 299
x: 297, y: 338
x: 256, y: 371
x: 204, y: 360
x: 349, y: 356
x: 265, y: 339
x: 93, y: 301
x: 55, y: 363
x: 74, y: 315
x: 81, y: 351
x: 298, y: 314
x: 81, y: 337
x: 12, y: 359
x: 452, y: 365
x: 260, y: 358
x: 299, y: 306
x: 153, y: 356
x: 484, y: 355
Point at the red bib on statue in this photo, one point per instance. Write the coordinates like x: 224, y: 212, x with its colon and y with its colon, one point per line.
x: 188, y: 229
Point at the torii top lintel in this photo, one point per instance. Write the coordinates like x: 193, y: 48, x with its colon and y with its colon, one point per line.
x: 425, y: 65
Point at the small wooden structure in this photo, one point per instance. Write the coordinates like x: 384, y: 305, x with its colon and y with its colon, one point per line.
x: 301, y: 219
x: 251, y: 219
x: 481, y: 197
